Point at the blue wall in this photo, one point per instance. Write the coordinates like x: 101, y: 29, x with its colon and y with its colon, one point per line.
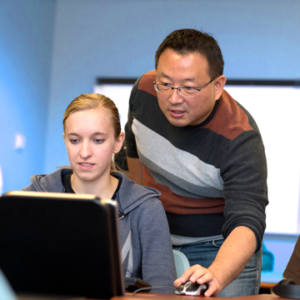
x: 52, y: 51
x: 26, y: 37
x: 259, y: 39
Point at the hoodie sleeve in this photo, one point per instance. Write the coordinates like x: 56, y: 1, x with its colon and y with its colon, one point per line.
x: 29, y: 188
x: 158, y: 266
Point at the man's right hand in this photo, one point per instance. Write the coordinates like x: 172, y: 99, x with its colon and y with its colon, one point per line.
x: 201, y: 275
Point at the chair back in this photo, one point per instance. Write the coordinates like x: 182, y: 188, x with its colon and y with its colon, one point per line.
x: 6, y: 291
x: 181, y: 262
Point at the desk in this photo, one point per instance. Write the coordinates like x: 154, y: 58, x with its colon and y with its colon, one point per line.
x: 265, y: 287
x: 160, y: 296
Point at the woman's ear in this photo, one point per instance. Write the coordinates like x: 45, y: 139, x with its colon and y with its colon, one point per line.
x: 119, y: 142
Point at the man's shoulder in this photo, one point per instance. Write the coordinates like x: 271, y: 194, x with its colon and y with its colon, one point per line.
x: 231, y: 119
x: 146, y: 82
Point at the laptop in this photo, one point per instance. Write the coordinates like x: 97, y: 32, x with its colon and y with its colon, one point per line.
x: 63, y: 245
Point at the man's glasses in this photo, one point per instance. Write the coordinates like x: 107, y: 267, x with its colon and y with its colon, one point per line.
x: 186, y: 91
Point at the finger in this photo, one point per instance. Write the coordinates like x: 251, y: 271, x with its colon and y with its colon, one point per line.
x: 177, y: 282
x: 212, y: 288
x: 205, y: 277
x: 199, y: 273
x: 189, y: 272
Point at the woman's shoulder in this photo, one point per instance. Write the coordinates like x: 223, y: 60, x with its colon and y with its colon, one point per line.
x: 130, y: 185
x: 132, y: 194
x: 51, y: 182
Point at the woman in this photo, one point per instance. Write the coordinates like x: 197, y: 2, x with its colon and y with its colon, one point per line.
x: 92, y: 134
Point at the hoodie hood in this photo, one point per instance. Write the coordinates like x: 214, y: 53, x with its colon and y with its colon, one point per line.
x: 138, y: 194
x: 50, y: 182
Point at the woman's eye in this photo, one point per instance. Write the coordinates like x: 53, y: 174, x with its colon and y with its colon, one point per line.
x: 74, y: 141
x: 98, y: 141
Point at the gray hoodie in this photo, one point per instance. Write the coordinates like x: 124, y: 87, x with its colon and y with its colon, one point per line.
x: 145, y: 236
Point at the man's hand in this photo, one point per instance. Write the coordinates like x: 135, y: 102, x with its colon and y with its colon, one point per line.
x: 201, y: 275
x: 230, y: 261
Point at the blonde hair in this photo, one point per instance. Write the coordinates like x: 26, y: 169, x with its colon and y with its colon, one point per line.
x: 90, y: 101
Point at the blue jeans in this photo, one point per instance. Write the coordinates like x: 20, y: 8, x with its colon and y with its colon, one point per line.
x: 247, y: 283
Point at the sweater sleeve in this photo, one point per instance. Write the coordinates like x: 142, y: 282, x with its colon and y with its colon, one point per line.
x: 158, y: 266
x: 244, y: 174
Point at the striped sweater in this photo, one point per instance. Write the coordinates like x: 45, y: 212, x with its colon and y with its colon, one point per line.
x: 212, y: 176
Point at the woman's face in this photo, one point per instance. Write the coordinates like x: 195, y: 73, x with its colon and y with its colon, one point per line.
x: 90, y: 141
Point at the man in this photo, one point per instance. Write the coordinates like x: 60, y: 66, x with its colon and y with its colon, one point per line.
x: 189, y: 139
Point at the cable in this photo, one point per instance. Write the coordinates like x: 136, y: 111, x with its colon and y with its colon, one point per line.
x: 152, y: 287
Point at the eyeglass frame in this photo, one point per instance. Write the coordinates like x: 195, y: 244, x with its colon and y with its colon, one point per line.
x: 178, y: 88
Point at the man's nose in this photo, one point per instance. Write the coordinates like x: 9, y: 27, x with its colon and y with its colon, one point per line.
x: 175, y: 97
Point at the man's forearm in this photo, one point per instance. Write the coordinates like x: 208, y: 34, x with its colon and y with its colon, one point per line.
x: 233, y: 255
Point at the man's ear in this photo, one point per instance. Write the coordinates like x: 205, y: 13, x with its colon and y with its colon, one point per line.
x: 219, y: 85
x: 119, y: 142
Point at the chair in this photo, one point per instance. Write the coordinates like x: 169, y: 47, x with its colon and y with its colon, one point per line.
x: 6, y: 291
x: 181, y: 262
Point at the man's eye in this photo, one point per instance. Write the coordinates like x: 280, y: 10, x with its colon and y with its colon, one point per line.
x: 189, y: 88
x: 74, y: 141
x: 166, y: 85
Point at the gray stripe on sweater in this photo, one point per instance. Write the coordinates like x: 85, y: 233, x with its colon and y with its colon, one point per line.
x: 182, y: 187
x: 188, y: 169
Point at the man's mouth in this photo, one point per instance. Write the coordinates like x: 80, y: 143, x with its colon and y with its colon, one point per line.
x: 177, y: 113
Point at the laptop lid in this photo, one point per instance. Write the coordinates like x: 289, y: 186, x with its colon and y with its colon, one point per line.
x: 60, y: 244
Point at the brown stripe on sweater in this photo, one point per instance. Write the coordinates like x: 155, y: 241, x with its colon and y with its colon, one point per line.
x: 224, y: 124
x: 144, y: 83
x: 183, y: 205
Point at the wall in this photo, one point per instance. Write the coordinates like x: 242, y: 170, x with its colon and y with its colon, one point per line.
x: 26, y: 36
x: 118, y: 38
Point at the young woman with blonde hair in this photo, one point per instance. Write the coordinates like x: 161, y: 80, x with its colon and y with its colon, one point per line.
x: 92, y: 134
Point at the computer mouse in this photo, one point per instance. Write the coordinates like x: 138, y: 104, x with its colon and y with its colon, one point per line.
x: 191, y: 289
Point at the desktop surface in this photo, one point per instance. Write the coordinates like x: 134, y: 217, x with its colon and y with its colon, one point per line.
x: 161, y: 296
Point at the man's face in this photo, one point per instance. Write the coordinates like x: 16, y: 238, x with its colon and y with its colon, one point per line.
x: 185, y: 70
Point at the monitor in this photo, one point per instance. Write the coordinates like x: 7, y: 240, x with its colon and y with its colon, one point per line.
x: 60, y: 245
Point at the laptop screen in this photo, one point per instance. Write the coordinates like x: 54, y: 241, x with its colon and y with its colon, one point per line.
x: 60, y: 244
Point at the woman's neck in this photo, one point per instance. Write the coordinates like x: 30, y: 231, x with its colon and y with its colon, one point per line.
x: 104, y: 189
